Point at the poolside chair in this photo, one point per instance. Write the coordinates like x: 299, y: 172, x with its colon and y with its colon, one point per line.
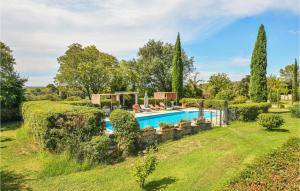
x: 144, y: 108
x: 159, y: 107
x: 152, y: 107
x: 164, y: 106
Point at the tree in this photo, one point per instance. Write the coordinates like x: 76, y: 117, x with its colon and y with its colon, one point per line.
x: 258, y: 79
x: 275, y: 87
x: 192, y: 87
x: 295, y: 85
x: 85, y: 69
x: 242, y: 87
x: 219, y: 82
x: 12, y: 85
x: 152, y: 70
x: 177, y: 69
x: 287, y: 74
x: 145, y: 167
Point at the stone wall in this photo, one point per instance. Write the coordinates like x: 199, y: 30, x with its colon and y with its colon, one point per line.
x: 158, y: 136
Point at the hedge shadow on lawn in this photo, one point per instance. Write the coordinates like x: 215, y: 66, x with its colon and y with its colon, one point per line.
x: 278, y: 130
x: 10, y: 180
x: 10, y: 126
x: 160, y: 184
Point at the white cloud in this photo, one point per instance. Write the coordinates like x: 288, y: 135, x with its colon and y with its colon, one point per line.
x: 39, y: 31
x: 240, y: 61
x: 294, y: 32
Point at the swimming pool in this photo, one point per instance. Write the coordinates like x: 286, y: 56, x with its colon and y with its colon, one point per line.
x: 174, y: 117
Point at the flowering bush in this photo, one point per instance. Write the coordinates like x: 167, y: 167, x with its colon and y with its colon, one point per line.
x: 199, y: 120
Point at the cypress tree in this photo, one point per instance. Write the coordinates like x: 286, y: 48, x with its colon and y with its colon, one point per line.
x: 258, y: 80
x: 295, y: 87
x: 177, y: 70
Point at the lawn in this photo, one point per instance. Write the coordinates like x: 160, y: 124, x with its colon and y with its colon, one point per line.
x: 205, y: 161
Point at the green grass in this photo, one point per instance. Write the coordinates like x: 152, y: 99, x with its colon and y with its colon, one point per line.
x: 205, y: 161
x: 277, y: 170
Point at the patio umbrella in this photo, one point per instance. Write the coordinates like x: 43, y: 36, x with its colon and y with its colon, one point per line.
x: 146, y: 100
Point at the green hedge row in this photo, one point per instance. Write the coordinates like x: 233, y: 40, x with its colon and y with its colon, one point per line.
x: 153, y: 101
x: 208, y: 103
x: 10, y: 114
x: 248, y: 111
x: 58, y: 127
x: 106, y: 102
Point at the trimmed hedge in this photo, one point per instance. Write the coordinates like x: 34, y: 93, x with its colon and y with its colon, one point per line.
x: 96, y: 151
x: 208, y: 103
x: 88, y: 103
x: 270, y: 120
x: 127, y: 131
x: 248, y: 111
x: 10, y: 114
x: 151, y: 100
x: 58, y: 127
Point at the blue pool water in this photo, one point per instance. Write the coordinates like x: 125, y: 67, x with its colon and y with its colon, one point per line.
x: 155, y: 120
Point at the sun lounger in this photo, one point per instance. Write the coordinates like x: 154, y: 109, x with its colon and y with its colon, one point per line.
x: 159, y: 107
x: 144, y: 108
x: 164, y: 106
x: 152, y: 107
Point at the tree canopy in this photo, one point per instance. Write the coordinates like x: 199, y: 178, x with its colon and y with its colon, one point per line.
x: 295, y: 85
x: 12, y: 85
x: 85, y: 68
x: 177, y: 69
x: 258, y: 80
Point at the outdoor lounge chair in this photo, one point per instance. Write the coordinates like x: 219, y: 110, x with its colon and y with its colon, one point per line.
x: 159, y: 107
x: 144, y: 108
x: 164, y: 106
x: 152, y: 107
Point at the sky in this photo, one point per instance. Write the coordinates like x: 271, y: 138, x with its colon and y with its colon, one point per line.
x: 219, y: 34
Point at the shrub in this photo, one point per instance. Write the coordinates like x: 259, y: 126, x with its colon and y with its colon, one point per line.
x: 126, y: 130
x: 214, y: 103
x: 239, y: 99
x: 199, y: 120
x: 227, y: 94
x: 58, y: 127
x: 88, y: 103
x: 208, y: 103
x: 10, y: 114
x: 96, y: 150
x: 152, y: 101
x: 145, y: 167
x: 269, y: 120
x: 248, y: 111
x: 148, y: 129
x: 165, y: 126
x: 73, y: 98
x: 278, y: 170
x: 51, y: 97
x: 295, y: 110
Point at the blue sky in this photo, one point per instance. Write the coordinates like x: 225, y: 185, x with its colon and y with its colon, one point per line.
x: 220, y: 34
x: 230, y: 49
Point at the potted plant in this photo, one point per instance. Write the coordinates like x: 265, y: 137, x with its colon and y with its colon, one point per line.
x: 149, y: 130
x: 199, y: 120
x: 184, y: 123
x: 166, y: 127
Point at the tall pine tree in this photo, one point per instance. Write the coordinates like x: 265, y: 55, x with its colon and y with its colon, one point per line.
x: 258, y: 80
x: 295, y: 87
x: 177, y: 70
